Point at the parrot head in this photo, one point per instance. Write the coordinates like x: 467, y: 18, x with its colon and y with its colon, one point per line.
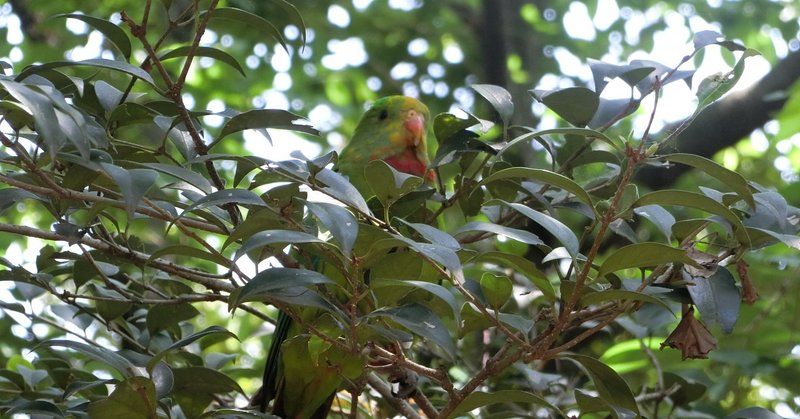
x: 394, y: 130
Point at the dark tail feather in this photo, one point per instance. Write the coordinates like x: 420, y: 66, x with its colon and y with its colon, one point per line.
x: 270, y: 382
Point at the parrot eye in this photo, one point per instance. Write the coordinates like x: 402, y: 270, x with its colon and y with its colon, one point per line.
x: 383, y: 115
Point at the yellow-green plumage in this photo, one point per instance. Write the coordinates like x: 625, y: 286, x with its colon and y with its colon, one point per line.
x: 393, y: 130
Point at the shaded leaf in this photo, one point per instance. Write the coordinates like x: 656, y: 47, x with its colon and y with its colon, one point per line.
x: 731, y: 179
x: 561, y: 232
x: 640, y: 255
x: 275, y: 279
x: 339, y: 221
x: 609, y: 385
x: 662, y: 219
x: 542, y: 176
x: 437, y: 290
x: 522, y: 236
x: 112, y: 32
x: 266, y: 118
x: 248, y: 20
x: 575, y: 105
x: 499, y: 98
x: 209, y: 331
x: 189, y: 176
x: 421, y: 321
x: 120, y: 66
x: 446, y: 125
x: 131, y: 399
x: 270, y: 237
x: 496, y: 289
x: 200, y: 51
x: 226, y: 196
x: 433, y: 234
x: 716, y: 297
x: 133, y: 184
x: 388, y: 183
x: 103, y: 355
x: 478, y: 399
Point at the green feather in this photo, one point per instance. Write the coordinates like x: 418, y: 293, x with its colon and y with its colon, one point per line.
x: 381, y: 134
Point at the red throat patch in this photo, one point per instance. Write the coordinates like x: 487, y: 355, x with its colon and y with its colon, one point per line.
x: 407, y: 162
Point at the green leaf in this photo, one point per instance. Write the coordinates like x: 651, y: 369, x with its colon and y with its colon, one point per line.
x: 209, y: 52
x: 165, y: 316
x: 103, y: 355
x: 133, y: 184
x: 716, y: 297
x: 698, y: 201
x: 522, y: 266
x: 445, y: 256
x: 609, y: 385
x: 546, y: 177
x: 499, y: 98
x: 461, y: 142
x: 446, y: 125
x: 640, y: 255
x: 112, y: 32
x: 209, y: 331
x: 575, y: 105
x: 478, y: 399
x: 248, y: 20
x: 388, y: 183
x: 120, y: 66
x: 339, y: 221
x: 581, y: 132
x: 561, y: 232
x: 189, y: 176
x: 619, y: 295
x: 226, y: 196
x: 340, y: 188
x: 191, y: 252
x: 754, y: 412
x: 657, y: 215
x: 716, y: 85
x: 132, y: 399
x: 433, y: 234
x: 497, y: 289
x: 266, y: 118
x: 35, y: 408
x: 731, y: 179
x: 10, y: 197
x: 43, y: 113
x: 421, y: 321
x: 519, y: 235
x: 437, y: 290
x: 271, y: 237
x: 274, y: 279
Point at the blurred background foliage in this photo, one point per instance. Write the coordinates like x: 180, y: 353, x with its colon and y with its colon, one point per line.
x: 356, y: 51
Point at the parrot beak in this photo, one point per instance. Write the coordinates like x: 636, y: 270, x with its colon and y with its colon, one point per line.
x: 415, y: 124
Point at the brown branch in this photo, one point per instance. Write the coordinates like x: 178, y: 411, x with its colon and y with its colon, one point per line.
x: 385, y: 390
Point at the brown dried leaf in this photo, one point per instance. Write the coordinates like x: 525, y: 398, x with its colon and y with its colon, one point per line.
x: 749, y: 293
x: 691, y: 337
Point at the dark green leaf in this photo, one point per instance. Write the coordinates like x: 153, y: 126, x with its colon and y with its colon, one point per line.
x: 209, y: 331
x: 523, y: 267
x: 103, y: 355
x: 609, y: 385
x: 35, y: 408
x: 499, y: 98
x: 581, y: 132
x: 542, y: 176
x: 575, y: 105
x: 248, y: 20
x: 620, y: 295
x: 695, y: 200
x: 423, y: 322
x: 214, y: 53
x: 753, y: 413
x: 271, y: 237
x: 519, y: 235
x: 339, y: 188
x: 446, y: 125
x: 388, y: 183
x: 478, y: 399
x: 266, y: 118
x: 439, y: 291
x: 716, y: 297
x: 731, y: 179
x: 433, y: 234
x: 133, y: 184
x: 339, y: 221
x: 114, y: 33
x: 640, y: 255
x: 10, y: 197
x: 189, y: 176
x: 42, y: 111
x: 226, y: 196
x: 274, y: 279
x: 97, y: 62
x: 165, y: 316
x: 561, y: 232
x: 658, y: 216
x: 496, y: 289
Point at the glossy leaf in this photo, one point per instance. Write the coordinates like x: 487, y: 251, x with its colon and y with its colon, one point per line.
x: 189, y: 176
x: 496, y: 289
x: 266, y: 118
x: 581, y: 132
x: 446, y: 125
x: 200, y: 51
x: 609, y: 385
x: 657, y: 215
x: 133, y: 398
x: 120, y: 66
x: 421, y: 321
x: 133, y: 183
x: 522, y: 236
x: 731, y: 179
x: 112, y: 32
x: 575, y: 105
x: 43, y: 113
x: 433, y: 234
x: 698, y: 201
x: 542, y: 176
x: 275, y: 279
x: 99, y: 354
x: 272, y: 237
x: 248, y: 20
x: 339, y: 221
x: 388, y: 183
x: 716, y: 297
x: 523, y: 267
x: 499, y: 98
x: 561, y: 232
x: 226, y: 196
x: 478, y: 399
x: 340, y: 188
x: 640, y: 255
x: 437, y: 290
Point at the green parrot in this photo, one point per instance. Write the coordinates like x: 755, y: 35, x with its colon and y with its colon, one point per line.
x: 393, y: 130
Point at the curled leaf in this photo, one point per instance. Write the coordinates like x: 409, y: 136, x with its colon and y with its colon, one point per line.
x: 691, y: 337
